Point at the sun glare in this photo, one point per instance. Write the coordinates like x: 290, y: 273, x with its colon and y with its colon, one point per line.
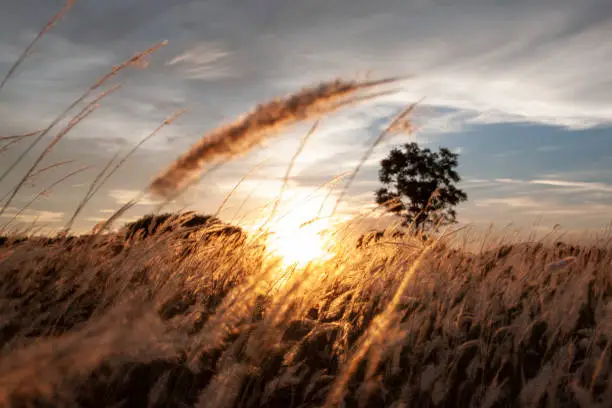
x: 297, y: 236
x: 299, y: 245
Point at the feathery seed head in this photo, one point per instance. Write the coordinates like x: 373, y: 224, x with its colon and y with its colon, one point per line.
x: 253, y: 128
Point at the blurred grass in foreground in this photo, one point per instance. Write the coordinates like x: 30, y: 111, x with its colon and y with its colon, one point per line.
x: 195, y: 315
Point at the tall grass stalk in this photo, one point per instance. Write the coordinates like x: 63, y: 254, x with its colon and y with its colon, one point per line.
x: 137, y: 60
x: 11, y: 140
x: 238, y: 184
x: 297, y: 153
x: 79, y: 117
x: 38, y: 172
x: 42, y: 193
x: 67, y: 6
x: 375, y: 332
x: 19, y: 137
x: 400, y: 123
x: 103, y: 176
x: 252, y: 129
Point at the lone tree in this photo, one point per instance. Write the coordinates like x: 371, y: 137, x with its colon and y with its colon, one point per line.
x: 419, y: 185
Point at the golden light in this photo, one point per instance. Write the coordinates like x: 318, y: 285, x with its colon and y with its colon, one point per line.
x: 297, y: 235
x: 299, y: 245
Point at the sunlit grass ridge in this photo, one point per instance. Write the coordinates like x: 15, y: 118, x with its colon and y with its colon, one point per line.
x: 369, y: 325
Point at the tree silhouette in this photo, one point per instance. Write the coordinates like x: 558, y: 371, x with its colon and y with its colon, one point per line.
x: 419, y: 185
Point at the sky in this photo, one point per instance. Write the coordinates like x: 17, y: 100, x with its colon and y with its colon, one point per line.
x: 520, y: 89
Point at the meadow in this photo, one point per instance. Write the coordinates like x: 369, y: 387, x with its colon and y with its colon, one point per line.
x: 189, y: 316
x: 185, y: 310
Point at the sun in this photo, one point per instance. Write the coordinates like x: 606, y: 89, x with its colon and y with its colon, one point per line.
x: 298, y: 244
x: 299, y: 234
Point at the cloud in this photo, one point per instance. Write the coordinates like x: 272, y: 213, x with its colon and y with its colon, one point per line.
x: 124, y: 196
x: 467, y: 56
x: 515, y: 202
x: 589, y: 210
x: 205, y: 62
x: 31, y: 215
x: 571, y: 184
x: 95, y: 219
x: 476, y: 62
x: 588, y: 206
x: 579, y: 185
x: 508, y: 181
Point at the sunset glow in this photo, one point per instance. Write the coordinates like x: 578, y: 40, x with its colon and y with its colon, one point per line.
x: 299, y: 245
x: 299, y: 234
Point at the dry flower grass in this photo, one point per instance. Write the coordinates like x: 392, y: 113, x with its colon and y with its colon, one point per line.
x: 255, y: 127
x: 183, y: 310
x: 167, y: 317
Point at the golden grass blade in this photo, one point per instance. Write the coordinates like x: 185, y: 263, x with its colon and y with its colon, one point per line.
x: 138, y: 60
x: 42, y: 193
x: 310, y: 196
x: 107, y: 224
x: 19, y: 137
x: 135, y: 60
x: 235, y: 218
x: 85, y: 112
x: 67, y: 6
x: 396, y: 125
x: 11, y: 140
x: 289, y: 169
x: 252, y: 129
x: 328, y: 184
x: 329, y: 193
x: 195, y: 181
x: 377, y: 329
x: 49, y: 167
x: 227, y: 197
x: 261, y: 231
x: 44, y: 169
x: 97, y: 184
x: 92, y: 186
x: 168, y: 121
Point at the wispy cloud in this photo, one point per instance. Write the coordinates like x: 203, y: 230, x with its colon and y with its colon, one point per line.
x: 516, y: 202
x: 31, y: 215
x: 572, y: 184
x: 468, y: 59
x: 588, y: 211
x: 124, y: 196
x: 467, y: 56
x: 508, y: 181
x: 579, y: 185
x: 204, y: 61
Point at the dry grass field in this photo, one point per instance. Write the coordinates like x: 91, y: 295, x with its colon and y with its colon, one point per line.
x: 197, y: 316
x: 182, y: 310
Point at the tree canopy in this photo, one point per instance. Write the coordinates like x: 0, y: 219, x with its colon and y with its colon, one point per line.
x: 419, y: 185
